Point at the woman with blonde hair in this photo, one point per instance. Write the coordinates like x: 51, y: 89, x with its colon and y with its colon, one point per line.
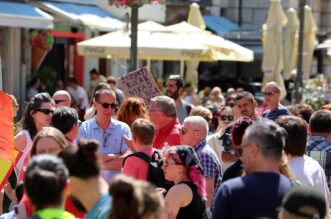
x: 131, y: 109
x: 48, y: 141
x: 134, y: 199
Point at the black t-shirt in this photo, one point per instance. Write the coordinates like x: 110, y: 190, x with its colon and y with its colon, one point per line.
x: 233, y: 171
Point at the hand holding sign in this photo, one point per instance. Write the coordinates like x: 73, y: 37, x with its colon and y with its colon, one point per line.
x: 140, y: 83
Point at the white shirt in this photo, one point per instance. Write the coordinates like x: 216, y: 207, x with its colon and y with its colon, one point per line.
x: 309, y: 172
x: 78, y: 94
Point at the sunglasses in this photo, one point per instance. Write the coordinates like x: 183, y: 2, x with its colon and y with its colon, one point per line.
x: 231, y: 104
x: 229, y: 117
x: 59, y: 101
x: 107, y: 105
x: 44, y: 111
x: 183, y: 131
x: 268, y: 93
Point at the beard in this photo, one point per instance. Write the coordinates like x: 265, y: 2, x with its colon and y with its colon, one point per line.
x: 174, y: 95
x: 78, y: 205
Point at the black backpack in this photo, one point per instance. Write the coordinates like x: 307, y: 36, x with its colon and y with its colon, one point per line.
x: 155, y: 173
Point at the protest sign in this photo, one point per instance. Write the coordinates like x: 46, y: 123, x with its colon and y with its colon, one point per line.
x: 139, y: 83
x: 6, y: 136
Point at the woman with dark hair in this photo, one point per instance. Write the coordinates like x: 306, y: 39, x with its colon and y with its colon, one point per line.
x: 37, y: 115
x: 134, y: 199
x: 237, y: 133
x: 89, y: 191
x: 131, y: 109
x: 187, y: 198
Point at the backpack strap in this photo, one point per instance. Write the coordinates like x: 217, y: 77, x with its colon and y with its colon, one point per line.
x: 141, y: 155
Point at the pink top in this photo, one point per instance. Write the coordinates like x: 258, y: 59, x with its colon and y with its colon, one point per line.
x: 137, y: 167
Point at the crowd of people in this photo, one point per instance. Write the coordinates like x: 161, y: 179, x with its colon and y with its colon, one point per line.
x: 183, y: 156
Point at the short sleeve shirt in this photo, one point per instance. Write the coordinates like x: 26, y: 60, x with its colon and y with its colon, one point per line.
x: 209, y: 162
x: 111, y: 141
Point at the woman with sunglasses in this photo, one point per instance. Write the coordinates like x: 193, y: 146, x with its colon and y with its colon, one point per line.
x: 215, y: 141
x: 37, y: 115
x: 187, y: 198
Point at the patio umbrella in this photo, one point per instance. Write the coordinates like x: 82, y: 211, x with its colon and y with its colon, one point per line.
x: 224, y: 50
x: 291, y: 42
x: 151, y: 46
x: 195, y: 19
x: 272, y: 62
x: 309, y: 37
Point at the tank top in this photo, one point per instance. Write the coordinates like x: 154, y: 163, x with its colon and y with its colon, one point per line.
x: 195, y: 209
x: 25, y: 153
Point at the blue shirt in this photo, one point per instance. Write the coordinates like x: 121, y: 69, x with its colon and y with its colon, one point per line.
x: 318, y: 143
x: 111, y: 141
x: 101, y: 209
x: 257, y: 195
x: 273, y: 115
x: 209, y: 162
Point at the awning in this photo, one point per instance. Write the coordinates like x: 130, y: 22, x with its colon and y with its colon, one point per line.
x: 23, y: 15
x: 219, y: 25
x: 83, y: 14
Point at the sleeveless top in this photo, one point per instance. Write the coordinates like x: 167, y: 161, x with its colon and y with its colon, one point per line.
x: 196, y: 208
x: 25, y: 152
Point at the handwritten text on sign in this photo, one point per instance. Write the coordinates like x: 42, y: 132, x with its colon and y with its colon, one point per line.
x: 140, y: 83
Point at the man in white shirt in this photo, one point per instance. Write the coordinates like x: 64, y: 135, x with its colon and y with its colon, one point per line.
x: 79, y: 97
x: 305, y: 169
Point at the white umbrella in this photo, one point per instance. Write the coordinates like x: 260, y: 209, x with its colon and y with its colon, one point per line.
x: 309, y: 37
x: 291, y: 42
x: 195, y: 19
x: 151, y: 46
x: 272, y: 63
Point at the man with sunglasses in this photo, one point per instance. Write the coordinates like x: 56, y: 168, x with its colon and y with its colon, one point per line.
x: 108, y: 132
x: 193, y: 133
x: 62, y: 98
x: 271, y: 98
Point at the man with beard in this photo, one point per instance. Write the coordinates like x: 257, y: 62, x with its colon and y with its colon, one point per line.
x: 246, y: 104
x: 174, y: 89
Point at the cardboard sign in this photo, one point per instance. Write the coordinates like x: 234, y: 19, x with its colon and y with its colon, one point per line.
x: 8, y: 154
x: 139, y: 83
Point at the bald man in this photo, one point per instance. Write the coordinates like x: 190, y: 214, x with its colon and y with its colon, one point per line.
x: 62, y: 98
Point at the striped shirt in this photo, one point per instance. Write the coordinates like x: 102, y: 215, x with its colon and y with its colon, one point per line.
x: 209, y: 162
x: 273, y: 115
x: 318, y: 143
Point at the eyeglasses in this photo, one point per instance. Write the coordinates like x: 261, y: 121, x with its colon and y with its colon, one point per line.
x: 44, y: 111
x: 165, y: 163
x: 107, y: 105
x: 183, y: 131
x: 268, y: 93
x: 59, y: 101
x: 229, y: 117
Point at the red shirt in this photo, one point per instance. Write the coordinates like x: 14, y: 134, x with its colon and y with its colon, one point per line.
x: 137, y: 167
x: 168, y: 134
